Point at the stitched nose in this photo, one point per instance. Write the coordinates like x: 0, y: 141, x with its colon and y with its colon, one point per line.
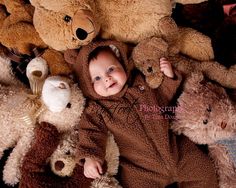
x: 81, y: 34
x: 223, y: 125
x: 59, y: 165
x: 149, y: 69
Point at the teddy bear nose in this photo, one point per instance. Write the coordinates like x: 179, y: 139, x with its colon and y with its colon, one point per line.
x: 81, y: 34
x: 149, y: 69
x: 59, y: 165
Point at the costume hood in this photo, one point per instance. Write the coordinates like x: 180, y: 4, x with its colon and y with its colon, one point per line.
x: 81, y: 67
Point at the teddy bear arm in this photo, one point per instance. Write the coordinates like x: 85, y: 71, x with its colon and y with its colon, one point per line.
x: 217, y: 72
x: 195, y: 45
x: 24, y: 40
x: 224, y: 166
x: 11, y: 172
x: 45, y: 142
x: 56, y: 62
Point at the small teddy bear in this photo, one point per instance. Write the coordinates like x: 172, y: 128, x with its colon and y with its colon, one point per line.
x: 207, y: 116
x: 147, y: 60
x: 155, y: 47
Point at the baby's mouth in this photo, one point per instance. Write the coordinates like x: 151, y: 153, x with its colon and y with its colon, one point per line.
x: 112, y: 85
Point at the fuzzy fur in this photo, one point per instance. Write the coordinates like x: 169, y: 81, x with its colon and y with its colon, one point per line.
x: 206, y: 115
x: 123, y: 20
x: 16, y: 133
x: 211, y: 69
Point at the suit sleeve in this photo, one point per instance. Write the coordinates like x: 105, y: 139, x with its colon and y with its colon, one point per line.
x: 92, y: 135
x: 167, y: 90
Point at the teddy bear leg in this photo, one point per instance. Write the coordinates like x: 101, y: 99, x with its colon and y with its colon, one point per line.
x: 11, y: 172
x: 219, y: 73
x: 7, y: 140
x: 225, y: 167
x: 195, y: 45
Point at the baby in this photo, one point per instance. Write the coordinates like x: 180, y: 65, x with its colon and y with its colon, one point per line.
x: 150, y: 155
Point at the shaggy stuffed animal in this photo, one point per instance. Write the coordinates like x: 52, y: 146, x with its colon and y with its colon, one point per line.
x: 20, y: 110
x: 207, y: 116
x: 63, y: 163
x: 35, y: 171
x: 212, y: 70
x: 69, y: 24
x: 18, y: 34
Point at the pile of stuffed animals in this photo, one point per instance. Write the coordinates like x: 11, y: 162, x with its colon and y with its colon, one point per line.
x: 40, y: 102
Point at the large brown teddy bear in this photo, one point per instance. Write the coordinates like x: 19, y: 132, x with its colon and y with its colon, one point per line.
x: 211, y: 69
x: 207, y: 116
x: 18, y: 34
x: 69, y: 24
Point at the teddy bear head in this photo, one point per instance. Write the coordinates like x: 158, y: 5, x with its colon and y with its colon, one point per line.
x: 62, y: 161
x: 146, y: 56
x: 64, y: 103
x: 65, y: 24
x: 204, y: 113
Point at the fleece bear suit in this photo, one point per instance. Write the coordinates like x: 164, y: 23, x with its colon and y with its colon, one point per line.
x: 150, y: 155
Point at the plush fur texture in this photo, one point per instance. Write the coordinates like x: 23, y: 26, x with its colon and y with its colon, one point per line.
x: 207, y: 116
x: 18, y: 34
x: 17, y: 129
x: 212, y: 69
x: 63, y: 25
x: 147, y: 60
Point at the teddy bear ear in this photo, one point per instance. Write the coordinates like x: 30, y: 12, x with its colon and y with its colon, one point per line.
x: 70, y: 56
x: 34, y: 2
x: 195, y: 81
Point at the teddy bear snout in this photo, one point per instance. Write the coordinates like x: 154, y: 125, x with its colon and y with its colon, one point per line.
x: 59, y: 165
x: 81, y: 34
x: 84, y: 26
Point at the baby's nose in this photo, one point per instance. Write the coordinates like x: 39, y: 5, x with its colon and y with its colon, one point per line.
x: 108, y: 78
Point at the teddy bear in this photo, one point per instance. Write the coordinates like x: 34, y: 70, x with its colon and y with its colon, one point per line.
x: 70, y: 24
x: 206, y: 115
x: 211, y: 69
x: 20, y: 109
x: 35, y: 171
x: 19, y: 36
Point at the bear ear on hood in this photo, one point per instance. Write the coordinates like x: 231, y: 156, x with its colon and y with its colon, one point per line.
x: 71, y: 55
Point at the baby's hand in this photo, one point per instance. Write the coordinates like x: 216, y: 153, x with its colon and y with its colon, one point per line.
x: 166, y: 67
x: 92, y: 168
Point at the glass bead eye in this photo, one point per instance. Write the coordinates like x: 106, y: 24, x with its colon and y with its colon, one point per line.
x: 209, y: 108
x: 67, y: 18
x: 205, y: 121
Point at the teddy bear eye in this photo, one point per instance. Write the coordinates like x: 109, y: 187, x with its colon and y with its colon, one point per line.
x: 67, y: 18
x: 205, y: 121
x: 209, y: 109
x: 68, y: 152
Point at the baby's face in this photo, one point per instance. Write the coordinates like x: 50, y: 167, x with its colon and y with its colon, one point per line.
x: 107, y: 74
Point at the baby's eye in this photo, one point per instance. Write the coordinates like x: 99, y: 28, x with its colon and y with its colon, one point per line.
x: 97, y: 78
x: 111, y: 69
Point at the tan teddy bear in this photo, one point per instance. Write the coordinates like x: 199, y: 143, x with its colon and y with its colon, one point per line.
x: 19, y: 111
x: 206, y: 115
x: 211, y: 69
x: 69, y: 24
x: 18, y: 34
